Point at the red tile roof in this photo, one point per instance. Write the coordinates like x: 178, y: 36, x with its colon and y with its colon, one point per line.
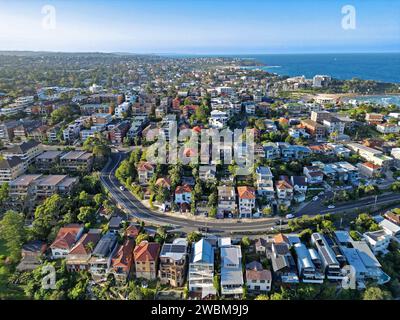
x: 82, y: 246
x: 145, y: 166
x: 258, y: 275
x: 283, y: 184
x: 66, y: 236
x: 124, y: 255
x: 183, y: 189
x: 146, y: 251
x: 246, y: 192
x: 164, y: 182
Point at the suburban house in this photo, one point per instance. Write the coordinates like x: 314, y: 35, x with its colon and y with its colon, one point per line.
x: 145, y: 172
x: 374, y: 118
x: 201, y: 270
x: 307, y: 270
x: 391, y: 229
x: 183, y: 194
x: 31, y: 255
x: 78, y: 257
x: 66, y: 237
x: 299, y: 184
x: 284, y: 192
x: 283, y: 264
x: 368, y: 169
x: 378, y: 241
x: 265, y: 183
x: 146, y: 256
x: 313, y: 174
x: 208, y: 173
x: 163, y: 183
x: 260, y: 245
x: 330, y: 265
x: 100, y: 260
x: 173, y: 262
x: 247, y: 201
x: 258, y: 280
x: 122, y: 261
x: 231, y: 271
x: 226, y: 202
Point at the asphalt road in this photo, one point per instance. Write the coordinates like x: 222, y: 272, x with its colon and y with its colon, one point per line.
x: 135, y: 209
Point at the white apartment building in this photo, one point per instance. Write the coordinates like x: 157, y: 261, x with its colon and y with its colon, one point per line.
x: 218, y: 119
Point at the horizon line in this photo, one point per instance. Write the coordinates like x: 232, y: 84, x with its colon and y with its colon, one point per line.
x: 201, y: 54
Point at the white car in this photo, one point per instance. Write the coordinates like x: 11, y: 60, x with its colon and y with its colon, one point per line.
x: 121, y: 188
x: 331, y: 206
x: 289, y: 216
x: 315, y: 198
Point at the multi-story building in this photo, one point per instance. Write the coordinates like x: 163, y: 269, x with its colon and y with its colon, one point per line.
x: 378, y: 241
x: 118, y: 132
x: 73, y: 161
x: 374, y: 118
x: 247, y: 201
x: 46, y: 186
x: 100, y: 260
x: 231, y: 271
x: 146, y: 255
x: 371, y: 155
x: 122, y: 261
x: 22, y: 190
x: 284, y: 192
x: 201, y: 269
x: 145, y: 172
x: 26, y: 151
x: 320, y: 116
x: 173, y: 262
x: 315, y: 129
x: 265, y: 183
x: 387, y: 128
x: 218, y: 119
x: 226, y: 202
x: 10, y: 169
x: 307, y: 270
x: 258, y: 280
x: 48, y: 160
x: 78, y: 257
x: 330, y: 265
x: 334, y: 125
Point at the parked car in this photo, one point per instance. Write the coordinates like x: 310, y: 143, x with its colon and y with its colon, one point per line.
x: 315, y: 198
x: 122, y: 188
x: 290, y: 216
x: 331, y: 206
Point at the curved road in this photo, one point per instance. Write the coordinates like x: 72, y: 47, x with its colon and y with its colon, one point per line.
x: 136, y: 209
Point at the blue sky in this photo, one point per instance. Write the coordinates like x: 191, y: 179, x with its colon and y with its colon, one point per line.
x: 201, y: 26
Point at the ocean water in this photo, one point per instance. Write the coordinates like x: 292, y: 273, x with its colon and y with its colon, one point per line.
x: 384, y: 67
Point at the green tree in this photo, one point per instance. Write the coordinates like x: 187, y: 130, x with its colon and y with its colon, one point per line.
x: 193, y: 237
x: 376, y: 293
x: 141, y: 237
x: 12, y: 231
x: 46, y: 216
x: 87, y: 214
x: 4, y: 191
